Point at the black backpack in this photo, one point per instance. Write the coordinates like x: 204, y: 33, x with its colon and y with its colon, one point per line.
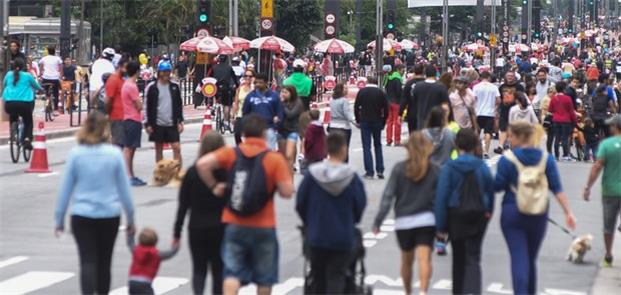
x: 469, y: 218
x: 600, y: 106
x: 247, y: 192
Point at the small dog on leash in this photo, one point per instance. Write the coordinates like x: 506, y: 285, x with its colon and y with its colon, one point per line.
x: 167, y: 172
x: 578, y: 248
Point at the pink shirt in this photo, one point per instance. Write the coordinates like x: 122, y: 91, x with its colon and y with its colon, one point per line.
x: 130, y: 94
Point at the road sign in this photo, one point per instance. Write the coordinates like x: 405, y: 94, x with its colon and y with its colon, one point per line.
x: 266, y: 24
x: 330, y: 18
x: 390, y: 36
x: 492, y: 40
x: 267, y: 8
x: 209, y: 87
x: 505, y: 40
x: 330, y: 30
x: 202, y: 33
x: 329, y: 83
x: 202, y: 58
x: 362, y: 82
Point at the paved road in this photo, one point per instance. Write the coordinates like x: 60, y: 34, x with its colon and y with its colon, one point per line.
x: 32, y: 260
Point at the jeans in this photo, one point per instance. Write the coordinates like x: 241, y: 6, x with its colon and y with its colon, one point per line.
x: 467, y: 265
x: 205, y: 244
x: 347, y: 133
x: 590, y: 148
x: 393, y: 124
x: 55, y: 89
x: 272, y: 139
x: 562, y: 136
x: 373, y: 130
x: 524, y: 235
x: 95, y: 238
x: 140, y: 288
x: 329, y: 270
x: 23, y: 109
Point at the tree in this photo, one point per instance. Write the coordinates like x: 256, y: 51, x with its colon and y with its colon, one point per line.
x: 297, y: 19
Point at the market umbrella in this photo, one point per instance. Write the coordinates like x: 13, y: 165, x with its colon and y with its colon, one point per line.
x: 272, y: 43
x: 519, y: 47
x: 190, y: 45
x: 387, y: 44
x: 213, y: 45
x: 238, y: 43
x: 408, y: 44
x: 475, y: 46
x: 335, y: 46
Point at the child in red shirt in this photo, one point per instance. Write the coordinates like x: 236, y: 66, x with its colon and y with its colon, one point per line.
x: 146, y: 261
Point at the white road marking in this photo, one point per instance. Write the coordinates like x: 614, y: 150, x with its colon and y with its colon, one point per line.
x: 12, y: 260
x: 288, y: 286
x: 357, y: 150
x: 372, y: 236
x: 44, y: 175
x: 389, y: 222
x: 161, y: 285
x: 369, y: 243
x: 498, y: 288
x: 387, y: 228
x: 443, y: 284
x: 382, y: 279
x: 31, y: 281
x: 550, y: 291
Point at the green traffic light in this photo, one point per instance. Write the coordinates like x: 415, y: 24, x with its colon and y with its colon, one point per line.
x: 202, y: 18
x: 390, y: 26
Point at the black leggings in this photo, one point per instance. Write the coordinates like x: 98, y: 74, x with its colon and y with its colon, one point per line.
x: 55, y: 89
x: 205, y: 247
x: 23, y: 109
x: 95, y: 238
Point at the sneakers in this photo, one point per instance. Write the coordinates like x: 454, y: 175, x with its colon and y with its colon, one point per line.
x: 368, y: 176
x: 135, y: 181
x: 568, y: 159
x: 441, y: 248
x: 388, y: 143
x: 498, y: 150
x: 485, y: 156
x: 607, y: 261
x: 27, y: 144
x: 380, y: 175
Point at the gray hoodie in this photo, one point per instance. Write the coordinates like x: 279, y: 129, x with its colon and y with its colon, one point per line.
x: 341, y: 113
x: 333, y: 178
x: 443, y: 144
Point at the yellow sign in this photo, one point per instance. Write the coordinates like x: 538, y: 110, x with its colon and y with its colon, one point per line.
x: 492, y: 40
x: 582, y: 36
x: 267, y: 8
x: 202, y: 58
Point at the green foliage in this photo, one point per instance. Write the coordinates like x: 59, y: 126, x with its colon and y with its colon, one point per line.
x: 297, y: 19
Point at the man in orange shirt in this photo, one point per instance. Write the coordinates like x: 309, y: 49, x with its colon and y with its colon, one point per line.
x: 592, y: 72
x: 250, y: 246
x: 114, y: 104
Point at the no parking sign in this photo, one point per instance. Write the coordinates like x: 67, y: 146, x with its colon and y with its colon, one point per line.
x: 329, y: 82
x: 209, y: 87
x: 362, y: 82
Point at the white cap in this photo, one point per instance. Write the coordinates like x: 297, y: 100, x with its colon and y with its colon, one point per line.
x: 298, y: 63
x: 109, y: 52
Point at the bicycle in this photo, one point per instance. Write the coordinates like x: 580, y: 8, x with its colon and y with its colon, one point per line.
x: 49, y: 102
x: 218, y: 116
x: 67, y: 95
x: 16, y: 142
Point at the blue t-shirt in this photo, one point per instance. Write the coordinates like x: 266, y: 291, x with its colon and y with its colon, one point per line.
x: 267, y: 105
x: 23, y: 90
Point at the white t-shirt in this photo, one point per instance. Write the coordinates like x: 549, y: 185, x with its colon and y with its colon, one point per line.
x: 99, y: 68
x: 486, y: 94
x: 51, y: 66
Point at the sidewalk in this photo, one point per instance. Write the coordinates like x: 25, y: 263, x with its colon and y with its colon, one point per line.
x: 608, y: 280
x: 60, y: 127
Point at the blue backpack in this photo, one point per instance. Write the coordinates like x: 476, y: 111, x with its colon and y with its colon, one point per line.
x: 247, y: 192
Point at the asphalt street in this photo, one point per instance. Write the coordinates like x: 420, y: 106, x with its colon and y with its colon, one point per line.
x: 33, y: 261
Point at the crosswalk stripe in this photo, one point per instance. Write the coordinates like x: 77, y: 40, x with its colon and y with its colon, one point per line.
x: 31, y: 281
x: 160, y: 285
x: 12, y: 260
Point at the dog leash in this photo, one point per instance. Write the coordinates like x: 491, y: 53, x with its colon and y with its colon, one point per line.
x: 562, y: 228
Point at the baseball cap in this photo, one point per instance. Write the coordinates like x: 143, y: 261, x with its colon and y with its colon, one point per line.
x: 298, y: 63
x: 614, y: 121
x: 108, y: 52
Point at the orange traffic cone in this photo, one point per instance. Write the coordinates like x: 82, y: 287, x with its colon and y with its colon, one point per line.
x: 166, y: 146
x: 326, y: 116
x: 314, y: 106
x: 206, y: 123
x: 38, y: 163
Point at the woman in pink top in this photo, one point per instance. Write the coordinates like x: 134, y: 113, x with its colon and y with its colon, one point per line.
x: 462, y: 101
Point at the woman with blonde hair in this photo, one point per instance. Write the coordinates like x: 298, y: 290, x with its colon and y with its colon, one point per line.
x: 95, y: 183
x: 412, y: 187
x: 546, y: 118
x: 524, y: 229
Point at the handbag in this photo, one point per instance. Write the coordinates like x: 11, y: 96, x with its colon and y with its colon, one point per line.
x: 547, y: 121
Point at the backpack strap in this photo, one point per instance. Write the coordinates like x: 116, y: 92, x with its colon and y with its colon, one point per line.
x: 543, y: 162
x: 513, y: 159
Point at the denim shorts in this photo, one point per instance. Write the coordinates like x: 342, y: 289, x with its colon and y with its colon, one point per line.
x: 291, y: 136
x: 250, y: 255
x: 272, y: 139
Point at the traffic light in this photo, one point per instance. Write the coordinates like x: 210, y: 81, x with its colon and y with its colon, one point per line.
x: 524, y: 2
x: 204, y: 11
x: 479, y: 34
x: 390, y: 21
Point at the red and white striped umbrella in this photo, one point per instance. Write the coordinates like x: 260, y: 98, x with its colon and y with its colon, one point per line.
x: 475, y: 46
x: 238, y: 43
x: 518, y: 47
x: 213, y: 45
x: 387, y: 44
x: 190, y: 45
x: 334, y: 46
x: 408, y: 44
x: 272, y: 43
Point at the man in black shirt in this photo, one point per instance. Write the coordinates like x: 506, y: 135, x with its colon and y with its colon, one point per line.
x: 508, y: 92
x: 426, y: 95
x: 182, y: 67
x: 571, y: 90
x: 406, y: 96
x: 371, y: 111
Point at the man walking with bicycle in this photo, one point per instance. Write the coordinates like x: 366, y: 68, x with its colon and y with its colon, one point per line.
x: 227, y: 85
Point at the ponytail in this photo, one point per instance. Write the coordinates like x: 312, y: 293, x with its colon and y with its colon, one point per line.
x: 18, y: 65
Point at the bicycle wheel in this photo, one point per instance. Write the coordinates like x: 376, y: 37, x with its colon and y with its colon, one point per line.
x: 218, y: 115
x: 49, y: 111
x: 14, y: 143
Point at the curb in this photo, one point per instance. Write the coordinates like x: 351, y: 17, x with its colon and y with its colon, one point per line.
x: 71, y: 131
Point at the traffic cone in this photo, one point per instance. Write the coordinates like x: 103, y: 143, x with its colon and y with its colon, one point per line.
x: 206, y: 124
x: 166, y: 146
x: 326, y: 116
x: 38, y: 163
x: 314, y: 106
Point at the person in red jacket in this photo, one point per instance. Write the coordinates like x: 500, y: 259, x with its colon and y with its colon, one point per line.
x: 146, y: 260
x: 563, y: 120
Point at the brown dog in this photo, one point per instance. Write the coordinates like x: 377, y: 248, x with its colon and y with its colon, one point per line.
x: 167, y: 172
x: 578, y: 248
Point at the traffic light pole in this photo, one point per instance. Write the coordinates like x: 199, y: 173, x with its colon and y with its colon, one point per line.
x: 529, y: 32
x: 492, y: 57
x: 444, y: 53
x: 379, y: 41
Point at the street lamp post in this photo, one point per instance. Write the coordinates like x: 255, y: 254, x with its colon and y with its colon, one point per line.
x: 444, y: 54
x: 379, y: 38
x: 492, y: 58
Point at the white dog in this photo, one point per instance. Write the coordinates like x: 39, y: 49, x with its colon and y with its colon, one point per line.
x: 579, y: 247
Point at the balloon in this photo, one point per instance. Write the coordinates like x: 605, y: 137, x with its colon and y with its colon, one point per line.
x: 143, y: 59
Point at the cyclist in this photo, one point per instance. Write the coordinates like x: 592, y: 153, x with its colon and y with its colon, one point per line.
x: 69, y: 75
x: 18, y: 95
x: 227, y: 84
x: 51, y: 66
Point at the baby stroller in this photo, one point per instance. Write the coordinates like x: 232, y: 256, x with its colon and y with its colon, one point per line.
x: 357, y: 272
